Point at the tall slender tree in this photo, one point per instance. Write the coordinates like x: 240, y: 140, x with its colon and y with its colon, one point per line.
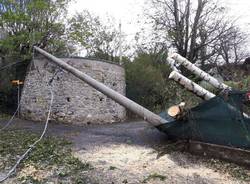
x: 194, y: 28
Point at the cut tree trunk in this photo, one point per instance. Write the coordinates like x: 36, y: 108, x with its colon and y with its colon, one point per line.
x: 197, y: 71
x: 195, y: 88
x: 176, y: 111
x: 191, y: 86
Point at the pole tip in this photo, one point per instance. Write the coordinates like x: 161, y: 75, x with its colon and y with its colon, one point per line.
x: 171, y: 74
x: 174, y: 56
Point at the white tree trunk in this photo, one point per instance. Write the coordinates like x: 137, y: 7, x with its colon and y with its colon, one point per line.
x: 190, y: 85
x: 171, y: 62
x: 176, y: 111
x: 195, y: 88
x: 197, y: 71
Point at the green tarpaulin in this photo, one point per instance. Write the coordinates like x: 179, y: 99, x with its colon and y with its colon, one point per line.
x: 219, y: 120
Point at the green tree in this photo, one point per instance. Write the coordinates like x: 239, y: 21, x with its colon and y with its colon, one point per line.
x: 146, y: 82
x: 25, y: 23
x: 100, y: 39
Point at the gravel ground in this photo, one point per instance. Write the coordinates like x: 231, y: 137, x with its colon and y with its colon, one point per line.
x: 131, y: 152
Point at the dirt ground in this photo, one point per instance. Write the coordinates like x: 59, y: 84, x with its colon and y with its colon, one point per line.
x: 131, y: 152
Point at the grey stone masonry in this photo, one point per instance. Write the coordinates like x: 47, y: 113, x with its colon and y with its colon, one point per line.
x: 75, y: 102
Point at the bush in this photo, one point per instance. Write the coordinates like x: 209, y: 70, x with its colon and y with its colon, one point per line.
x: 244, y: 84
x: 148, y: 84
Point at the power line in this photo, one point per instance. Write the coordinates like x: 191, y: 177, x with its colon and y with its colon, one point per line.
x: 7, y: 66
x: 11, y: 119
x: 18, y: 106
x: 13, y: 169
x: 32, y: 146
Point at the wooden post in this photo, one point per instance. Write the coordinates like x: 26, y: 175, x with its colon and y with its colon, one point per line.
x: 17, y: 83
x: 117, y: 97
x: 191, y: 86
x: 197, y: 71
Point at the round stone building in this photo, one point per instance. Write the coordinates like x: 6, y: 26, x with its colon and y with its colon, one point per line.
x: 74, y: 101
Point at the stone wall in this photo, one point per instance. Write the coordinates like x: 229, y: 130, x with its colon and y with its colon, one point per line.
x: 74, y: 102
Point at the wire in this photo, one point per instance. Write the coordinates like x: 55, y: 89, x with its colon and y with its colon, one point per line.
x: 13, y: 116
x: 7, y: 66
x: 32, y: 146
x: 11, y: 119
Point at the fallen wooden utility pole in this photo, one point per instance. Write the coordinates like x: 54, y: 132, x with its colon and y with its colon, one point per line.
x: 147, y: 115
x: 191, y: 86
x: 197, y: 71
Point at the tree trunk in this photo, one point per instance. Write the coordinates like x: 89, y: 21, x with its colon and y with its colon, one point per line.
x: 191, y: 86
x: 195, y: 27
x: 197, y: 71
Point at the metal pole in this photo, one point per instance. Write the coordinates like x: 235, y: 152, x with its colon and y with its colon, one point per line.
x: 120, y: 43
x: 18, y: 100
x: 147, y: 115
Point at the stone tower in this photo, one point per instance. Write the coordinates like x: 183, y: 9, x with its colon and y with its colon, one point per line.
x: 75, y: 102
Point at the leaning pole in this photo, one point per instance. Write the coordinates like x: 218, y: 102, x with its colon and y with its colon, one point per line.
x: 197, y: 71
x: 147, y: 115
x: 191, y: 86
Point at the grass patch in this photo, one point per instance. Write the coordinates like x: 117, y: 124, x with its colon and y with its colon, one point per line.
x: 154, y: 177
x: 50, y: 161
x: 4, y: 116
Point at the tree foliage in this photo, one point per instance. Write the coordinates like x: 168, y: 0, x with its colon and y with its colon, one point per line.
x: 99, y: 38
x: 147, y: 83
x: 24, y: 23
x: 31, y: 22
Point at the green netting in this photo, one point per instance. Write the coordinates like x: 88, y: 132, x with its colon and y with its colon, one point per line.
x: 219, y: 120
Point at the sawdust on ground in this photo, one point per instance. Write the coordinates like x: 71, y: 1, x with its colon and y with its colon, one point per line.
x: 132, y: 153
x: 126, y: 163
